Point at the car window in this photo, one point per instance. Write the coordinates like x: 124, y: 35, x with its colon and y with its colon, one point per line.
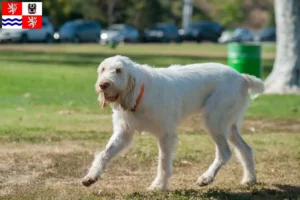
x: 85, y: 26
x: 130, y: 28
x: 209, y: 26
x: 195, y: 25
x: 125, y: 29
x: 153, y: 27
x: 95, y: 25
x: 115, y: 27
x: 168, y: 28
x: 267, y: 31
x: 238, y: 32
x: 173, y: 28
x: 213, y: 27
x: 68, y: 25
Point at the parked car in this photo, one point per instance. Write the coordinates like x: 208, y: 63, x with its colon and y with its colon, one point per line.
x: 161, y: 32
x: 226, y: 36
x: 45, y: 34
x: 202, y: 31
x: 242, y: 35
x: 79, y: 31
x: 120, y: 32
x: 266, y: 35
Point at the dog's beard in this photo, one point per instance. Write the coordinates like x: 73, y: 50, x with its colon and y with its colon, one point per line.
x: 110, y: 97
x: 106, y: 98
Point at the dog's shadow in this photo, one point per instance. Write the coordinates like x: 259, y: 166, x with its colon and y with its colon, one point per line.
x: 259, y: 191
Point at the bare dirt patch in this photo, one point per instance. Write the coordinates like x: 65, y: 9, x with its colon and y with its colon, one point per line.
x: 54, y: 170
x: 193, y: 124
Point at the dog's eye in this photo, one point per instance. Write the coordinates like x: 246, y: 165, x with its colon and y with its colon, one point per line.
x: 102, y: 70
x: 118, y: 71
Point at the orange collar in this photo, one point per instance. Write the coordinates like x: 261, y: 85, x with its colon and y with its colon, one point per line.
x: 138, y: 99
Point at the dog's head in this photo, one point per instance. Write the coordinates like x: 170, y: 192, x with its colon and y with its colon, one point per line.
x: 117, y: 82
x: 31, y: 8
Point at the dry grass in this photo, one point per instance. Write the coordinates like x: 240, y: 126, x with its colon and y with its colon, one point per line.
x: 48, y: 169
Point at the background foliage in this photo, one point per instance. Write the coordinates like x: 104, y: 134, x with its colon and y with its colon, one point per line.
x: 142, y: 13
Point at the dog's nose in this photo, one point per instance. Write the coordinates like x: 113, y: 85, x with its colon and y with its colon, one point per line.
x: 104, y: 85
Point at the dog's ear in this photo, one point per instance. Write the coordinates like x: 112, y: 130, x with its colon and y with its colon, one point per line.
x: 128, y: 95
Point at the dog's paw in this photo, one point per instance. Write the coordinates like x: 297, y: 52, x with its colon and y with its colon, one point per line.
x: 158, y: 187
x: 88, y: 180
x: 248, y: 181
x: 205, y: 180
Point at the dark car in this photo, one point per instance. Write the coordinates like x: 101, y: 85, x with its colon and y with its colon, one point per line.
x: 161, y: 32
x: 266, y: 35
x: 80, y: 31
x: 202, y: 31
x: 119, y: 33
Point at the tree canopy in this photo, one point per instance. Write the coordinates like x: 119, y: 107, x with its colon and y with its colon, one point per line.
x: 143, y: 13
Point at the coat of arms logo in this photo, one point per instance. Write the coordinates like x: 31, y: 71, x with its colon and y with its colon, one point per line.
x: 31, y: 8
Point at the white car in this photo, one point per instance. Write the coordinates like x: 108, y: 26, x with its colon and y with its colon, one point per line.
x: 45, y: 34
x: 225, y: 36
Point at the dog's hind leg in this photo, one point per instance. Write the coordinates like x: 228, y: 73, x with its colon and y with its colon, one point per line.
x: 243, y: 151
x: 217, y: 123
x: 223, y: 154
x: 244, y: 154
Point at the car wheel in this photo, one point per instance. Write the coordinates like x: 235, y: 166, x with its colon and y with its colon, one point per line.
x: 48, y: 39
x: 133, y: 40
x: 24, y: 38
x: 165, y: 40
x: 215, y: 40
x: 199, y: 39
x: 97, y: 39
x: 178, y: 40
x: 76, y: 40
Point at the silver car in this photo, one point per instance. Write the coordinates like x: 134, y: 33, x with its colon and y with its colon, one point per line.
x: 120, y: 32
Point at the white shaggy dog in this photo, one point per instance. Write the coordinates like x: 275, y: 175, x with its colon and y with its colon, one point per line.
x: 157, y: 100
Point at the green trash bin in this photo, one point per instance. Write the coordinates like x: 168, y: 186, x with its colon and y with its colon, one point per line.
x: 245, y: 58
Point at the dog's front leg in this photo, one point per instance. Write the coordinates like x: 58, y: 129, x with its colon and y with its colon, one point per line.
x: 166, y: 144
x: 118, y: 142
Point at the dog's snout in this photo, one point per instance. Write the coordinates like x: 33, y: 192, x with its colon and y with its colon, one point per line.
x: 104, y: 85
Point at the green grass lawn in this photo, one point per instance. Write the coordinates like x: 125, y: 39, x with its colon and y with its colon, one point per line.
x: 51, y: 125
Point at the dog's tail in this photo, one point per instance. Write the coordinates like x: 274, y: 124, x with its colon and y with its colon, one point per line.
x: 255, y: 85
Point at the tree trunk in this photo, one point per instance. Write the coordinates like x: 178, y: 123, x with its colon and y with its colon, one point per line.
x: 285, y: 76
x: 110, y: 11
x: 187, y: 13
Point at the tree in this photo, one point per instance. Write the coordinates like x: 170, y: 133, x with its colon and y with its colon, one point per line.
x: 285, y: 76
x: 229, y: 13
x: 142, y: 13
